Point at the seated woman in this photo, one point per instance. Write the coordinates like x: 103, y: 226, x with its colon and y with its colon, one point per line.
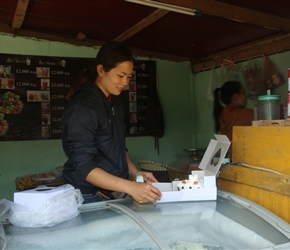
x: 230, y: 110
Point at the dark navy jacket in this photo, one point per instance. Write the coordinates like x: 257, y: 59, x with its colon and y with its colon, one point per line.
x: 93, y: 135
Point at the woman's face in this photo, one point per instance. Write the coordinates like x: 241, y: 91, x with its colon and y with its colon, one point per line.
x: 242, y: 98
x: 114, y: 81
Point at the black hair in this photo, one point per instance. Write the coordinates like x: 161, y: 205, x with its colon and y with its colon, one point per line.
x: 113, y: 53
x: 224, y: 95
x: 109, y: 56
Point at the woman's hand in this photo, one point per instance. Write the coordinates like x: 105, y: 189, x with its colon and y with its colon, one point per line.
x: 134, y: 172
x: 140, y: 191
x: 147, y: 176
x: 144, y: 192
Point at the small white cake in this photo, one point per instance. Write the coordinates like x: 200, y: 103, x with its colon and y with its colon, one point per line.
x: 191, y: 183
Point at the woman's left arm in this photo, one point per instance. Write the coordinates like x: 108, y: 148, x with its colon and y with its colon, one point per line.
x: 134, y: 171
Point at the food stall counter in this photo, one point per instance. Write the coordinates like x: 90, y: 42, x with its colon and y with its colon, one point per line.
x: 230, y: 222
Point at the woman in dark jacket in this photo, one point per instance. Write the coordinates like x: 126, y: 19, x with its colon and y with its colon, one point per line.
x: 93, y: 134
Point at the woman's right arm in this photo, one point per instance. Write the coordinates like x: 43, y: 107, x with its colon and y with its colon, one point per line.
x: 144, y: 192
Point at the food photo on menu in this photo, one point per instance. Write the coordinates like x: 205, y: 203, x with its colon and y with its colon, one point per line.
x: 45, y: 107
x: 45, y: 84
x: 6, y: 77
x: 10, y: 103
x: 43, y: 72
x: 3, y: 125
x: 37, y: 96
x: 45, y: 120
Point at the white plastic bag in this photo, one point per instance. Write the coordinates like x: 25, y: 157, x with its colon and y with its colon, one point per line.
x: 57, y: 209
x: 229, y: 71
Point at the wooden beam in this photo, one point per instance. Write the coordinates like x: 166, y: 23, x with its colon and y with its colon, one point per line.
x: 269, y: 45
x: 19, y: 14
x: 164, y: 56
x: 153, y: 17
x: 257, y: 178
x: 233, y: 12
x: 4, y: 28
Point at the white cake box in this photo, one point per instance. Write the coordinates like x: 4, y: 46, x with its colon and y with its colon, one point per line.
x: 40, y: 196
x: 206, y: 175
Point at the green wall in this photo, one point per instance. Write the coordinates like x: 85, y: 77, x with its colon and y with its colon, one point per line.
x: 175, y: 88
x: 204, y: 121
x: 187, y: 113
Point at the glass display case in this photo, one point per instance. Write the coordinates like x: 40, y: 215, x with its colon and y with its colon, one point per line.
x: 230, y: 222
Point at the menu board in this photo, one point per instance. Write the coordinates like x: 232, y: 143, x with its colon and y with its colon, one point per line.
x: 33, y: 93
x: 138, y: 96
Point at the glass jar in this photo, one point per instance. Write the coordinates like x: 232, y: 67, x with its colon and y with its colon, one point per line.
x: 269, y: 107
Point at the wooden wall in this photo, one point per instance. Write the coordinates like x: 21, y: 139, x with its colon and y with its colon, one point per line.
x: 262, y: 173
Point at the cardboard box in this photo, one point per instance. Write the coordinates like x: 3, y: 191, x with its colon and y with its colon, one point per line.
x: 206, y: 175
x: 38, y: 197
